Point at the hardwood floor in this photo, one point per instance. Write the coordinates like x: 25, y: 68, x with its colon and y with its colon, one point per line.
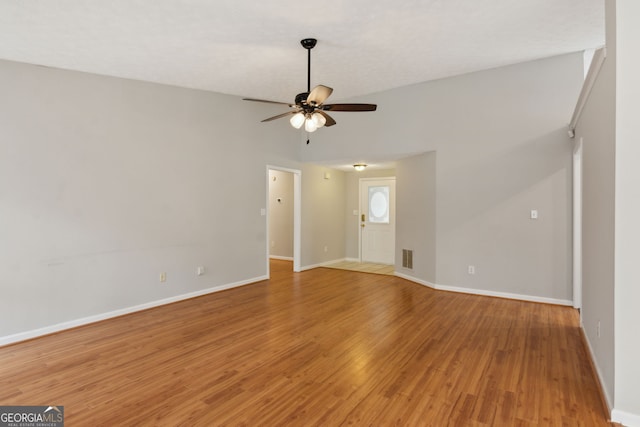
x: 323, y: 347
x: 364, y: 267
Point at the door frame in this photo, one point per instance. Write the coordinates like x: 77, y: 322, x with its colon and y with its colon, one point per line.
x: 360, y: 182
x: 297, y: 215
x: 577, y: 225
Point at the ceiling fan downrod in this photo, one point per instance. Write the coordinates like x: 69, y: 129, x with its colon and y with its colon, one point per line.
x: 308, y: 44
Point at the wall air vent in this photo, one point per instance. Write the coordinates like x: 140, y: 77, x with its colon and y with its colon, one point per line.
x: 407, y: 258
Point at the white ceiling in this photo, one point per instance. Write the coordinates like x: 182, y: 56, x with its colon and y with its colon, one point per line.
x: 251, y: 48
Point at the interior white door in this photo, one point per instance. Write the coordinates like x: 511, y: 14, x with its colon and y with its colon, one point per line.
x: 378, y: 220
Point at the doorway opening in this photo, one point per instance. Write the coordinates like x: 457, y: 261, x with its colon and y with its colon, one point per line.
x: 283, y: 214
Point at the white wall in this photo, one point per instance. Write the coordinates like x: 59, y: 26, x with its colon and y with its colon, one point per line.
x: 502, y: 150
x: 416, y: 215
x: 596, y: 128
x: 627, y: 213
x: 323, y: 222
x: 611, y: 235
x: 280, y: 214
x: 105, y: 183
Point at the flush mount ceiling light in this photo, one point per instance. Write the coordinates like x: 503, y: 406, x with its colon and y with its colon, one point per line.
x: 359, y: 166
x: 309, y: 108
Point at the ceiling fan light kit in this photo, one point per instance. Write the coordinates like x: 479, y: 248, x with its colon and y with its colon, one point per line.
x: 309, y: 108
x: 311, y: 122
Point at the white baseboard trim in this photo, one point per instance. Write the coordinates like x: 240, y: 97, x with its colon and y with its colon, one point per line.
x: 23, y: 336
x: 625, y: 418
x: 415, y: 280
x: 282, y: 258
x: 594, y: 361
x: 322, y: 264
x: 617, y: 416
x: 506, y: 295
x: 484, y: 292
x: 352, y: 259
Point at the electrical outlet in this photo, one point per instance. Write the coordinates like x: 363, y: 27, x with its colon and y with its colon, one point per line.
x: 598, y: 329
x: 200, y: 271
x: 163, y: 277
x: 471, y: 269
x: 534, y: 214
x: 326, y: 248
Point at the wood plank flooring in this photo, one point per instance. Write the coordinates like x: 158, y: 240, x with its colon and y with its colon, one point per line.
x: 320, y: 348
x: 364, y: 267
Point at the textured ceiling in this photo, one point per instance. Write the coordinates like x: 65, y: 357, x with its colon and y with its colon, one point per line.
x: 251, y: 48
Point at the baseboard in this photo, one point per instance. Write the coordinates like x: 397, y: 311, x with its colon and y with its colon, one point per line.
x: 507, y: 295
x: 483, y: 292
x: 617, y: 416
x: 281, y: 258
x: 625, y: 418
x: 594, y: 364
x: 35, y: 333
x: 352, y: 259
x: 415, y: 280
x: 322, y: 264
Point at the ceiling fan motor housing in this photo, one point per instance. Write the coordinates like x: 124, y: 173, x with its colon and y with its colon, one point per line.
x: 301, y: 99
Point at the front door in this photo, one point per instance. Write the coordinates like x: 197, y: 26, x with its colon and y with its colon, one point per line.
x: 377, y: 220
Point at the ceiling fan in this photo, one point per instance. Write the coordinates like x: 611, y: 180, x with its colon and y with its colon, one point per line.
x: 309, y: 108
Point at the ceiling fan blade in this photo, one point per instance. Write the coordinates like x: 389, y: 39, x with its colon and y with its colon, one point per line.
x: 349, y: 107
x: 318, y: 95
x: 279, y: 116
x: 268, y: 102
x: 330, y: 121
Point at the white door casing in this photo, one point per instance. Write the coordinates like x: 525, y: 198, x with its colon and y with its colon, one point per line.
x: 297, y: 216
x: 577, y: 225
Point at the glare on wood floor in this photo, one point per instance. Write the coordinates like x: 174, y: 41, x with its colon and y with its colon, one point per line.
x: 364, y: 267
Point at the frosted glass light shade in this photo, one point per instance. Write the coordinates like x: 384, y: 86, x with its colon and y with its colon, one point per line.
x: 297, y: 120
x: 309, y: 125
x: 318, y: 119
